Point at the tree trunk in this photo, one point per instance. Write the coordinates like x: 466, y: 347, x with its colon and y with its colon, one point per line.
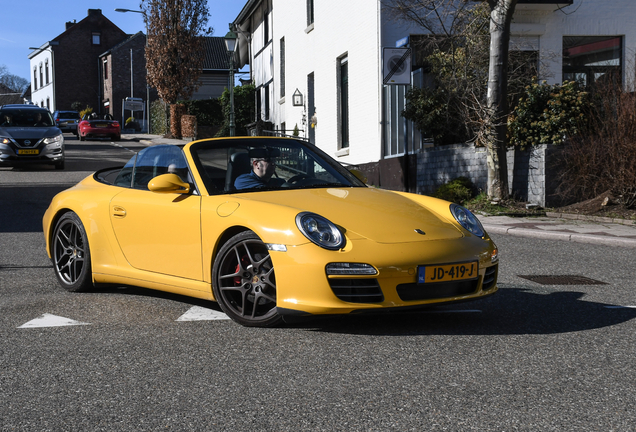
x: 500, y: 18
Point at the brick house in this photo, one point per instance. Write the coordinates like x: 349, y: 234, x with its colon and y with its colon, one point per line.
x: 66, y: 70
x: 116, y: 78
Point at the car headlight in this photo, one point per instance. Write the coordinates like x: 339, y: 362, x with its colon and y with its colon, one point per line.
x: 55, y: 141
x: 320, y: 231
x: 467, y: 220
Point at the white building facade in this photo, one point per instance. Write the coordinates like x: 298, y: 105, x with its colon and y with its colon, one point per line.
x: 42, y: 79
x: 330, y: 54
x: 587, y: 40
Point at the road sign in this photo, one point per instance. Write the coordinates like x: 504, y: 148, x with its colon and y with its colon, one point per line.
x: 396, y: 66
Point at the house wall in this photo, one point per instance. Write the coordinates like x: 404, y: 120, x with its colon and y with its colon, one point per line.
x: 44, y: 90
x: 547, y: 26
x: 77, y: 69
x: 117, y: 86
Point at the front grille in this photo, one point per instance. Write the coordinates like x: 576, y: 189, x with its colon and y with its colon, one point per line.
x: 31, y: 142
x: 414, y: 291
x: 357, y: 290
x: 490, y: 278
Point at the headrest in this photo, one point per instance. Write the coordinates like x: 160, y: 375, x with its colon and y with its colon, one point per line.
x: 264, y: 153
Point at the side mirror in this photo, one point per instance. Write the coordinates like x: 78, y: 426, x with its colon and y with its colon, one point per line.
x: 358, y: 175
x: 168, y: 183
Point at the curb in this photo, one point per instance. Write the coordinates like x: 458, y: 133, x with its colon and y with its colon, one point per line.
x: 548, y: 235
x: 574, y: 216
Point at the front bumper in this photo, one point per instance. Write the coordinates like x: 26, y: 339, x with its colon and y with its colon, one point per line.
x: 46, y: 155
x: 303, y: 287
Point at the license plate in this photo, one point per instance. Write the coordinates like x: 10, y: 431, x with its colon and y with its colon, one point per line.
x: 447, y: 273
x: 28, y: 152
x: 101, y: 125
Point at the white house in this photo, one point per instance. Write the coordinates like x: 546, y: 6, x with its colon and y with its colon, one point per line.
x: 42, y: 79
x: 330, y: 54
x: 586, y: 40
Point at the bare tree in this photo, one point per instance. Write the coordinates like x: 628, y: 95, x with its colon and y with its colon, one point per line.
x: 13, y: 82
x: 446, y: 22
x: 174, y: 56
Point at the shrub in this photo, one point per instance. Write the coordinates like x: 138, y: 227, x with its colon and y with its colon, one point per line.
x: 548, y: 114
x: 87, y: 110
x: 458, y: 190
x: 603, y: 157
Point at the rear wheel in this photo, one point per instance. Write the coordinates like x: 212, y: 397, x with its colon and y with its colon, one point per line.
x: 71, y: 254
x: 244, y: 283
x: 59, y: 165
x: 81, y: 137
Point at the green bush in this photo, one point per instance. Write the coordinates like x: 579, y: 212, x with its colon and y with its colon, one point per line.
x: 207, y: 111
x: 458, y: 190
x: 548, y: 114
x: 159, y: 118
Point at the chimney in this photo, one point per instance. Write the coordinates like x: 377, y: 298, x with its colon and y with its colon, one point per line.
x: 70, y: 24
x: 95, y: 12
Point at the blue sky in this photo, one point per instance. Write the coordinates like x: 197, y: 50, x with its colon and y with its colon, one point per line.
x: 31, y: 23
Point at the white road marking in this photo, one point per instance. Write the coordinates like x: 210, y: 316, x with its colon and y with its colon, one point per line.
x: 198, y: 313
x: 620, y: 307
x: 48, y: 320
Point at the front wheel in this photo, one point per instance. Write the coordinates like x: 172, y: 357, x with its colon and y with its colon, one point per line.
x: 71, y: 254
x: 244, y: 283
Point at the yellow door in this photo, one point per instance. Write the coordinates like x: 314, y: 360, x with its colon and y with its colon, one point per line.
x: 159, y: 232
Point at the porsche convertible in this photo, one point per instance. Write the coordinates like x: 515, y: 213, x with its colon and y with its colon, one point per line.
x: 306, y: 238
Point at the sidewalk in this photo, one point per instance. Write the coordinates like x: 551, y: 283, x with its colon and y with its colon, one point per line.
x: 565, y: 227
x: 553, y: 226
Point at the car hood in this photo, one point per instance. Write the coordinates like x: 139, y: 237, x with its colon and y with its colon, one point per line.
x: 34, y: 133
x: 376, y: 214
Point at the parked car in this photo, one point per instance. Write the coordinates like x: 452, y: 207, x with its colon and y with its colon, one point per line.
x: 313, y: 240
x: 28, y: 135
x: 96, y: 126
x: 67, y: 121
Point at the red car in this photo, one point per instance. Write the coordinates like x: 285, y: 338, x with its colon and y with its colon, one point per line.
x: 95, y: 127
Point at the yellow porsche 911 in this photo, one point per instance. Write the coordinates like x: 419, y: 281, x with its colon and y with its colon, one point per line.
x: 267, y: 227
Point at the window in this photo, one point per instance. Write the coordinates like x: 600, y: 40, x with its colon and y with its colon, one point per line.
x: 343, y: 101
x: 266, y: 28
x: 310, y: 12
x: 48, y: 103
x: 105, y: 69
x: 592, y: 59
x: 266, y: 102
x: 46, y: 70
x: 35, y: 79
x: 41, y: 76
x: 282, y: 68
x: 97, y: 38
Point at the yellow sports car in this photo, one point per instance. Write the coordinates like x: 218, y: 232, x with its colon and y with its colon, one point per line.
x: 267, y: 227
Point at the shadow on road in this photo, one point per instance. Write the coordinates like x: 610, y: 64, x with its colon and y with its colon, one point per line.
x: 511, y: 311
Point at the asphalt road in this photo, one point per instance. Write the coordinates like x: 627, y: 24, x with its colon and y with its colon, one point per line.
x: 532, y: 357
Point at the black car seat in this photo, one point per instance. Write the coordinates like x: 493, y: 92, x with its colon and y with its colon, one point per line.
x: 239, y: 164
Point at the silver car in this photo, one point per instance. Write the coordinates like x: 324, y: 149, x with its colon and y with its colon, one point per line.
x: 28, y: 135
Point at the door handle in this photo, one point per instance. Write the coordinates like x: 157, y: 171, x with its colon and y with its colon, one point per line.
x: 119, y: 212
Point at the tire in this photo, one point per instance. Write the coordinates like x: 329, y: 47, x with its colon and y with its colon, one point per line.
x: 59, y: 165
x: 81, y: 138
x: 71, y: 254
x: 116, y: 137
x: 243, y: 281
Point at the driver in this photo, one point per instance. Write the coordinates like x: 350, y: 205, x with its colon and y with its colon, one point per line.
x: 263, y: 169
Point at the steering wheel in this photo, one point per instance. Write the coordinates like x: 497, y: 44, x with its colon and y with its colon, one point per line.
x: 295, y: 179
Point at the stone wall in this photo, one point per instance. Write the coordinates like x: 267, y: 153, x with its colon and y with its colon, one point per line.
x: 530, y: 177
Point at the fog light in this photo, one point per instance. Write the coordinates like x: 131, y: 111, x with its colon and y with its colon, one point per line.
x: 276, y: 247
x: 350, y: 269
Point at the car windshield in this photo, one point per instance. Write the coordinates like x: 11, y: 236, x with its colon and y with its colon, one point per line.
x: 263, y: 164
x: 18, y: 117
x: 68, y: 115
